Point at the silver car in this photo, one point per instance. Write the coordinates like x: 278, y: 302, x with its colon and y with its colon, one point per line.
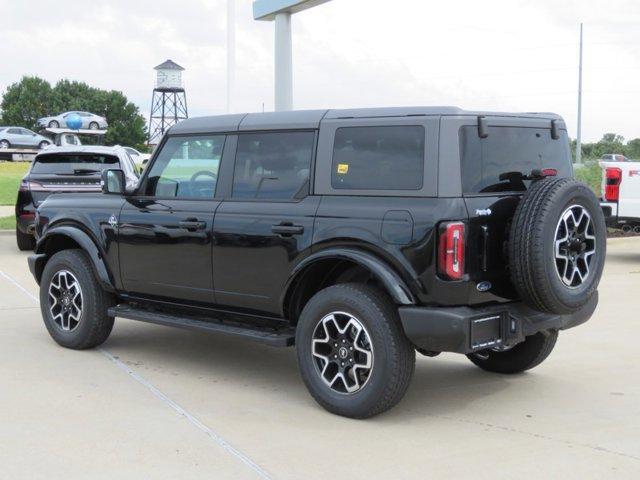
x: 18, y: 137
x: 89, y: 120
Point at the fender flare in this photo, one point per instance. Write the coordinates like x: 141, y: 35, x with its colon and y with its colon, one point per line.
x: 394, y: 285
x: 88, y: 246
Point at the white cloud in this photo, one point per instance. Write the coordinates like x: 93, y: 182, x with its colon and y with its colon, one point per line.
x: 495, y: 55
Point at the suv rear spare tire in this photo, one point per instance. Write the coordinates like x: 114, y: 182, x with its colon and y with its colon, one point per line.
x: 557, y: 245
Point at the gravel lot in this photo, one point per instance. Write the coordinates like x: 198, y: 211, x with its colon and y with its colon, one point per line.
x: 161, y: 403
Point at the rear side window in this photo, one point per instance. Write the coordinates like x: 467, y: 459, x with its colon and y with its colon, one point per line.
x: 498, y: 162
x: 378, y: 158
x: 69, y: 164
x: 273, y: 165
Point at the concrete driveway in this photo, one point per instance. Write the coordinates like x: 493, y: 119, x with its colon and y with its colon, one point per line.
x: 155, y: 402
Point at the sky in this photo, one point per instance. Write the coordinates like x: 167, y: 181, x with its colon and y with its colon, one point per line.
x: 509, y: 55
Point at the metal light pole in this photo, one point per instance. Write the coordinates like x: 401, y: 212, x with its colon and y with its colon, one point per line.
x: 281, y: 11
x: 231, y: 52
x: 283, y: 63
x: 579, y: 137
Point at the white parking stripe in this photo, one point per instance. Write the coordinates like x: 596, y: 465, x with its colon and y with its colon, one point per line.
x: 163, y: 398
x: 20, y: 287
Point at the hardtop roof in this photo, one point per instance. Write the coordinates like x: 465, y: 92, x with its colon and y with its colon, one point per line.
x: 303, y: 119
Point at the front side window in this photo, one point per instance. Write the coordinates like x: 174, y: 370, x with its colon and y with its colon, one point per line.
x: 499, y: 162
x: 378, y: 158
x: 186, y: 167
x: 273, y: 165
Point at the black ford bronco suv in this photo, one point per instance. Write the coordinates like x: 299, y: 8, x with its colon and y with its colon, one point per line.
x: 359, y: 236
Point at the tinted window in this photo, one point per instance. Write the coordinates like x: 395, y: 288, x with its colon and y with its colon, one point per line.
x: 378, y: 158
x: 496, y: 163
x: 65, y: 163
x: 186, y: 167
x: 273, y: 165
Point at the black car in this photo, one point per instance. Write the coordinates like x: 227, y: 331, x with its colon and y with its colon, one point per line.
x: 359, y: 236
x: 65, y: 169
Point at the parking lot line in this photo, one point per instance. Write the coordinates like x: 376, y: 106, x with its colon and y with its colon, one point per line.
x: 163, y: 398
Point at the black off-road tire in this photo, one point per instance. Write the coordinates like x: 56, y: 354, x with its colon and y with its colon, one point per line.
x: 524, y: 356
x: 393, y: 354
x: 25, y: 241
x: 95, y: 325
x: 531, y: 246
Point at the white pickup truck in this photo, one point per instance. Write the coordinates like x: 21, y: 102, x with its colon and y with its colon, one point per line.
x: 620, y: 200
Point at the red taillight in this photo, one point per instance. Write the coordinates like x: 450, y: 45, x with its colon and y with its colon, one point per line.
x: 549, y: 172
x: 451, y: 250
x: 613, y: 177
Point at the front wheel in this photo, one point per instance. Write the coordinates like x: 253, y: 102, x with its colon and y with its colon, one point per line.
x: 94, y: 126
x: 352, y: 353
x: 5, y: 144
x: 54, y: 124
x: 523, y: 356
x: 43, y: 144
x: 73, y: 304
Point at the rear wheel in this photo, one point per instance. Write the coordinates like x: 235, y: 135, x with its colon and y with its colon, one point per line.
x: 352, y: 353
x: 524, y: 356
x: 25, y: 241
x: 73, y: 304
x: 5, y: 144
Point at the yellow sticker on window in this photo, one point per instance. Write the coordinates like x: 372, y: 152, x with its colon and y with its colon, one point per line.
x: 343, y: 168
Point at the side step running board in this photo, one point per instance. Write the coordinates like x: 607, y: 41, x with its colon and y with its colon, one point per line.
x: 271, y: 336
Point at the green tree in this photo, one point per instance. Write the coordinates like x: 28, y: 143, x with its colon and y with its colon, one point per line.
x: 31, y: 98
x: 633, y: 149
x: 26, y: 101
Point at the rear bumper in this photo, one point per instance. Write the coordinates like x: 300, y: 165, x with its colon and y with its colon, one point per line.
x: 467, y: 329
x: 610, y: 211
x: 26, y: 224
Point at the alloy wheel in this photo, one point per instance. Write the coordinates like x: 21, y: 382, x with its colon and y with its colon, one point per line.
x: 65, y: 300
x: 343, y: 352
x: 575, y: 245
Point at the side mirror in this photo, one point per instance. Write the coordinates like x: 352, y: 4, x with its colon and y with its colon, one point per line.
x: 113, y: 182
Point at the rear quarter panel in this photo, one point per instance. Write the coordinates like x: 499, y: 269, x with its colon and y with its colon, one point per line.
x: 629, y: 199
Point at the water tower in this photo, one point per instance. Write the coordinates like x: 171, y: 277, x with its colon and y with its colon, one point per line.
x: 169, y: 101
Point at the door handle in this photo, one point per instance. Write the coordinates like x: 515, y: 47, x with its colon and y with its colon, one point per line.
x: 192, y: 224
x: 286, y: 229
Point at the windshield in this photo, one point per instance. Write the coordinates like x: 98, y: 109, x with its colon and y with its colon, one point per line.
x: 73, y: 164
x: 499, y: 162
